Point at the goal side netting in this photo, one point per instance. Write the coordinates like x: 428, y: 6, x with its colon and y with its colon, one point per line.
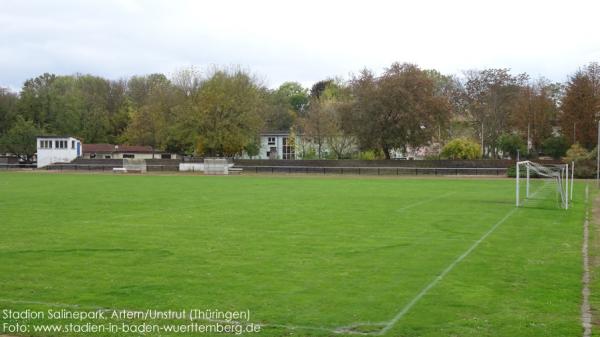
x: 134, y: 165
x: 533, y: 180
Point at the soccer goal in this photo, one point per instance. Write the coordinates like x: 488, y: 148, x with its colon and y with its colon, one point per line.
x: 216, y: 166
x: 536, y: 176
x: 134, y: 165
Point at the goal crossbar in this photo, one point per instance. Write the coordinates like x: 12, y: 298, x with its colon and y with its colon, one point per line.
x: 557, y: 173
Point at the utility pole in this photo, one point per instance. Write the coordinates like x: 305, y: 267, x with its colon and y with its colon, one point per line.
x: 482, y: 148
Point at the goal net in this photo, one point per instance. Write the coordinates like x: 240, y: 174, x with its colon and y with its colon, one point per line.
x: 134, y: 165
x: 216, y: 166
x: 535, y: 181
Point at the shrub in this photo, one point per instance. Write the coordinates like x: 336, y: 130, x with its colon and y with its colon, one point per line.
x: 555, y: 146
x: 512, y: 144
x: 368, y: 155
x: 576, y: 152
x: 461, y: 148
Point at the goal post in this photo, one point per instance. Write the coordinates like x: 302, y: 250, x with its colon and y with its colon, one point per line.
x: 558, y: 175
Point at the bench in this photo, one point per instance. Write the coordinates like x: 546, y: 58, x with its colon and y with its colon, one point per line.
x: 235, y: 170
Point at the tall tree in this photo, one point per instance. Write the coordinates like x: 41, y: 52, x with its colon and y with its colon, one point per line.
x: 397, y: 110
x: 8, y: 109
x: 536, y: 112
x: 228, y: 118
x: 35, y: 99
x: 20, y: 139
x: 580, y: 107
x: 491, y: 98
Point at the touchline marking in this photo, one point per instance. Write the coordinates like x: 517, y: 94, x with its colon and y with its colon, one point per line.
x: 586, y: 311
x: 431, y: 284
x: 424, y: 201
x: 347, y: 329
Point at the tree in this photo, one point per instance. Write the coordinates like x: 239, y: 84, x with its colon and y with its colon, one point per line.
x: 319, y: 124
x: 295, y: 94
x: 536, y: 112
x: 399, y: 109
x: 512, y: 144
x: 555, y: 146
x: 20, y: 139
x: 8, y: 109
x: 491, y: 100
x: 152, y: 112
x: 461, y: 148
x: 229, y: 114
x: 581, y: 106
x: 35, y: 99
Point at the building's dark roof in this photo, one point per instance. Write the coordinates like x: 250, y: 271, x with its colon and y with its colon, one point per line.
x: 54, y: 136
x: 275, y: 133
x: 111, y: 148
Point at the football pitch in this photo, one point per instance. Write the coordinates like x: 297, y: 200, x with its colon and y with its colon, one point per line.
x: 304, y: 256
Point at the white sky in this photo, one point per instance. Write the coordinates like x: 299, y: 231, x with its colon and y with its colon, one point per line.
x: 303, y: 41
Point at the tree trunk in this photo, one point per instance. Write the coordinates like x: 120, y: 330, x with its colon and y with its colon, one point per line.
x: 386, y: 152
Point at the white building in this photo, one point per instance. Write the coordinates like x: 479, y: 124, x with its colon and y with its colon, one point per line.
x: 56, y: 149
x: 277, y: 145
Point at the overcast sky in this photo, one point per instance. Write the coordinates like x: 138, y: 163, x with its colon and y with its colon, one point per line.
x: 301, y: 41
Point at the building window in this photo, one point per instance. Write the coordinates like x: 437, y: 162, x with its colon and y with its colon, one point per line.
x: 59, y: 144
x: 44, y: 144
x: 107, y: 156
x: 128, y: 155
x: 271, y: 141
x: 72, y: 144
x: 289, y: 150
x: 92, y: 156
x: 165, y: 156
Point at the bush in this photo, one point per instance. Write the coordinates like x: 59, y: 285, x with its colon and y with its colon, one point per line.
x: 576, y: 152
x: 369, y: 155
x: 309, y: 154
x: 512, y: 144
x: 461, y: 148
x: 555, y: 146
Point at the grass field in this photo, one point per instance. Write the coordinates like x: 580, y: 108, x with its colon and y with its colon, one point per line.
x: 306, y: 256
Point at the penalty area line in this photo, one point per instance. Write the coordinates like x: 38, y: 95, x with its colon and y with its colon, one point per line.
x: 447, y: 270
x: 438, y: 278
x: 418, y: 203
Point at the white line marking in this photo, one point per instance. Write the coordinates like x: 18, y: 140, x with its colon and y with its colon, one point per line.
x: 431, y: 284
x: 424, y: 201
x: 345, y: 329
x: 586, y: 313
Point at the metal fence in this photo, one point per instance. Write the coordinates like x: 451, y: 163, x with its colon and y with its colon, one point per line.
x: 83, y: 167
x: 378, y: 171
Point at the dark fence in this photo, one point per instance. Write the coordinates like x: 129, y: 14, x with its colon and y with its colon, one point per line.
x: 379, y: 171
x: 377, y: 163
x: 85, y: 167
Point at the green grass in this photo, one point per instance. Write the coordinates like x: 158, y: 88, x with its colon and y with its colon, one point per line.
x: 311, y: 252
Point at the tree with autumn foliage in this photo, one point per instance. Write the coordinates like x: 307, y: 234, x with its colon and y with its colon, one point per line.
x: 401, y: 108
x: 580, y: 109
